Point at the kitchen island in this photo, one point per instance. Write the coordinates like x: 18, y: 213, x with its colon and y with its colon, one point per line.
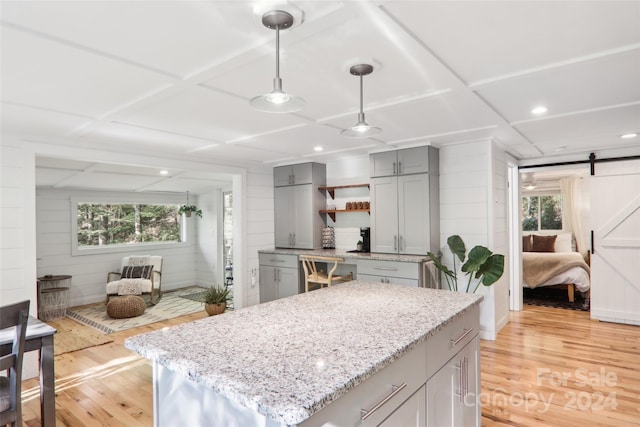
x: 318, y: 358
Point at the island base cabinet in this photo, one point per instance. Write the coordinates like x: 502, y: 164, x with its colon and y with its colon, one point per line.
x: 452, y: 393
x: 412, y: 413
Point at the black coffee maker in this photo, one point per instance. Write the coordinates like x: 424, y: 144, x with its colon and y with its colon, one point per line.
x: 365, y: 236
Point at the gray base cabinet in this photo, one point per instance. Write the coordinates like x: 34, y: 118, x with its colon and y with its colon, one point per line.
x: 279, y: 277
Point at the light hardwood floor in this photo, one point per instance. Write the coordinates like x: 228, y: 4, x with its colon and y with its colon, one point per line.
x: 548, y: 367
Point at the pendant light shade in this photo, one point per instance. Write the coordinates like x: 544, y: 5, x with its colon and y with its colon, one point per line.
x: 361, y: 129
x: 277, y: 101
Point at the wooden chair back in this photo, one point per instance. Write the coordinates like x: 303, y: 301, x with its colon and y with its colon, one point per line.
x: 313, y: 276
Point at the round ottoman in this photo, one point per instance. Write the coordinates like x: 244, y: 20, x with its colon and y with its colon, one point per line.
x: 125, y: 306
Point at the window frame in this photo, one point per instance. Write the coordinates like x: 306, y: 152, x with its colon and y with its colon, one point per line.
x: 540, y: 194
x: 132, y: 247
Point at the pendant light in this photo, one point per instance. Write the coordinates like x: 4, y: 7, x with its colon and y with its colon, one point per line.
x: 277, y: 101
x: 361, y: 129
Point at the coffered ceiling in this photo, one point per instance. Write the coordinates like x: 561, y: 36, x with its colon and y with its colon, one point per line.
x: 174, y: 78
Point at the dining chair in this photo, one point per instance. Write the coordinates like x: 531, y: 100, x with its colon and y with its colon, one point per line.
x: 14, y: 315
x: 313, y: 277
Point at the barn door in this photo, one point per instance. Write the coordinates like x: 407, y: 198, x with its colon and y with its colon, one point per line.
x: 615, y: 261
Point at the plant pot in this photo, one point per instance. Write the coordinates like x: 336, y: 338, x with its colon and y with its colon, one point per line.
x: 213, y: 309
x: 187, y: 214
x: 360, y: 246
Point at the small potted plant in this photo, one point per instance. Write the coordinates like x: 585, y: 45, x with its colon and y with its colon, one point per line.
x: 360, y: 245
x: 215, y: 300
x: 188, y: 209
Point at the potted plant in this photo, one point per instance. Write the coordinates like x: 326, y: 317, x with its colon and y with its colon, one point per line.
x: 215, y: 300
x: 188, y: 209
x: 482, y: 265
x: 360, y: 245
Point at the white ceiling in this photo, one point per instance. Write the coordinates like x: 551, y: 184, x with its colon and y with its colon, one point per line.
x: 174, y: 78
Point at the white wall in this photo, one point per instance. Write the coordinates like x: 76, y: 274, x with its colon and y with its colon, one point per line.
x: 17, y: 232
x: 473, y: 205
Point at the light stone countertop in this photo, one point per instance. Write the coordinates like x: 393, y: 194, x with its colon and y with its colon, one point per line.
x: 289, y: 358
x: 349, y: 255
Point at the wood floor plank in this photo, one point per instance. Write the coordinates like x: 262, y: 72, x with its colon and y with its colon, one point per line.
x: 548, y: 367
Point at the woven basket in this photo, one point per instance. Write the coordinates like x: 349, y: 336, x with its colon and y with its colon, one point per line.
x: 126, y: 306
x: 213, y: 309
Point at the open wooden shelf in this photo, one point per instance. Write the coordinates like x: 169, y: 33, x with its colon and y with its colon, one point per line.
x: 332, y: 212
x: 332, y: 188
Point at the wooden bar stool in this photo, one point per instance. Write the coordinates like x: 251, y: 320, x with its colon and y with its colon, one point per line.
x: 313, y: 276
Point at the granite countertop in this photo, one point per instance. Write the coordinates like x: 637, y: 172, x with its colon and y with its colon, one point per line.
x: 289, y: 358
x: 353, y: 255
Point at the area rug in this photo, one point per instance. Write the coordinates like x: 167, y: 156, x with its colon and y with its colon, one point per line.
x: 549, y: 297
x: 172, y: 304
x: 198, y: 296
x: 73, y: 336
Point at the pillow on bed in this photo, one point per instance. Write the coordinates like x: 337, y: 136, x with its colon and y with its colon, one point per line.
x: 544, y: 243
x: 526, y: 243
x: 563, y: 242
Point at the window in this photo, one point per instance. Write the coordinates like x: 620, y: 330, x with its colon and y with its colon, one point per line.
x: 543, y: 212
x: 111, y: 224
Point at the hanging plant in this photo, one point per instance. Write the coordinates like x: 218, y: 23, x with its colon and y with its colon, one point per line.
x: 188, y: 209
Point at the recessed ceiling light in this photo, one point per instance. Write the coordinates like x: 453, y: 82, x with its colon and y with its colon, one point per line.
x: 564, y: 147
x: 539, y: 110
x: 628, y: 135
x: 164, y: 172
x: 318, y: 148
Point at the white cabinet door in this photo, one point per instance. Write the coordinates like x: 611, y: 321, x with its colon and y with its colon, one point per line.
x: 268, y: 283
x: 384, y: 215
x: 283, y: 202
x: 412, y: 413
x: 413, y: 214
x: 302, y: 216
x: 302, y: 173
x: 615, y: 270
x: 471, y: 404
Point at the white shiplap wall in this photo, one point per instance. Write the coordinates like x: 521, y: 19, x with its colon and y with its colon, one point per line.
x: 472, y: 205
x: 54, y: 244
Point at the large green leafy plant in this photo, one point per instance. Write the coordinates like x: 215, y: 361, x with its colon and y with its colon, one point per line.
x: 482, y: 265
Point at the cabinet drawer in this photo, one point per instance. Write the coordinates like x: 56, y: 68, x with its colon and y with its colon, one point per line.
x: 278, y: 260
x: 406, y: 373
x: 451, y: 339
x: 407, y: 270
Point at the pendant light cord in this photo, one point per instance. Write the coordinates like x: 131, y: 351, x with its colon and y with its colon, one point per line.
x: 278, y: 52
x: 361, y: 96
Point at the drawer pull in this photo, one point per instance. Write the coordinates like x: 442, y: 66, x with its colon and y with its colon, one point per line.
x: 364, y: 414
x: 276, y: 260
x: 465, y: 332
x: 386, y: 268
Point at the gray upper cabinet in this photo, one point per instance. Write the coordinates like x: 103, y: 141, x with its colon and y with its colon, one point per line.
x: 293, y: 174
x: 298, y: 221
x: 404, y: 162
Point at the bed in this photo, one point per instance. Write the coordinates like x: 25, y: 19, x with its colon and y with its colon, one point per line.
x: 550, y: 261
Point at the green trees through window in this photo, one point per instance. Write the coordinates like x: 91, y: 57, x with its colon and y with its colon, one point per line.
x: 542, y: 212
x: 103, y: 224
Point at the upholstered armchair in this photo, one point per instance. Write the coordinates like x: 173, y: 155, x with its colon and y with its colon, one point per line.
x: 138, y: 275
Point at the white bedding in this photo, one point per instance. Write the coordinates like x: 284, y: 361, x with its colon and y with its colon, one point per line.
x: 576, y: 275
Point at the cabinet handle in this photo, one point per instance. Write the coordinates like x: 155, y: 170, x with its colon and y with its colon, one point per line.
x: 275, y: 275
x: 386, y: 268
x: 395, y: 389
x: 460, y: 367
x: 399, y: 168
x: 465, y: 332
x: 395, y: 243
x: 400, y: 244
x: 276, y: 260
x: 293, y: 241
x: 466, y: 376
x: 394, y: 168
